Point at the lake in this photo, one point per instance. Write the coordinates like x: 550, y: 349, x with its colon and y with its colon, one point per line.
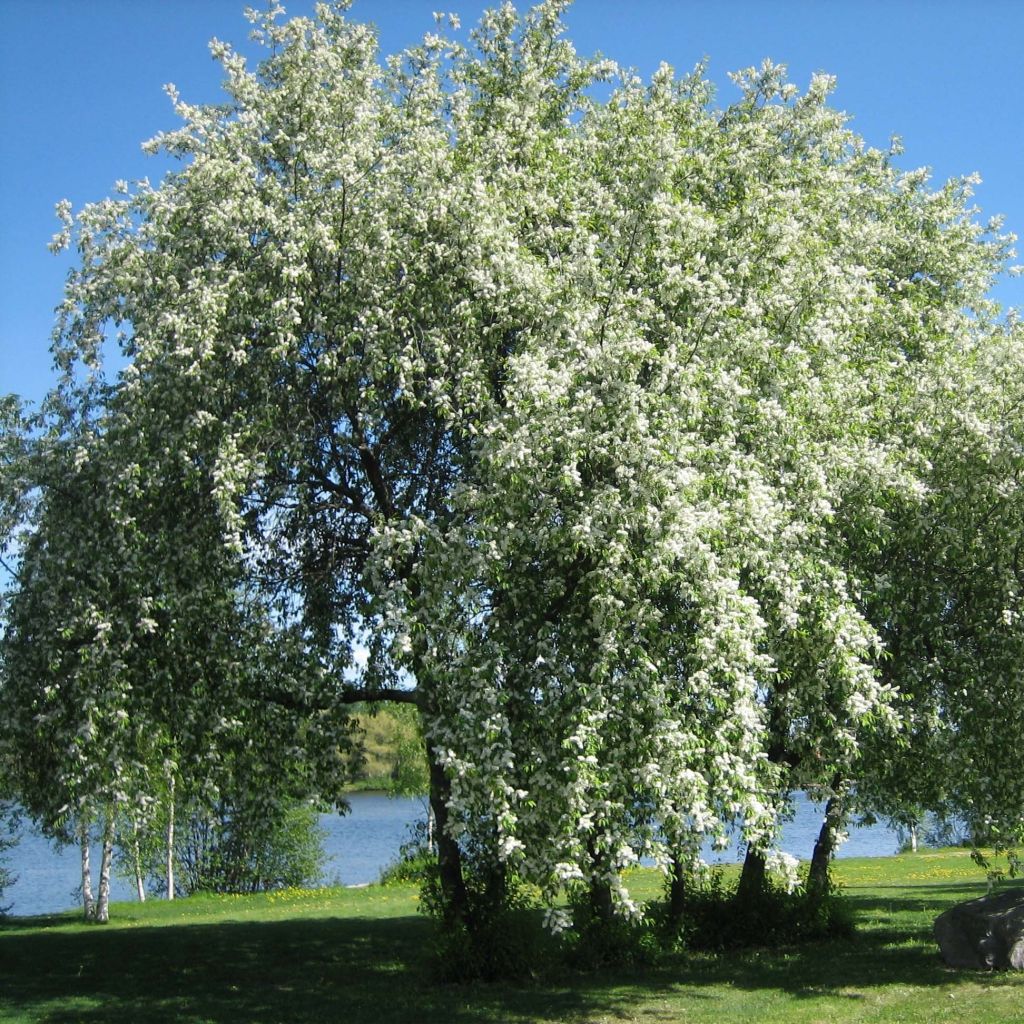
x: 358, y: 845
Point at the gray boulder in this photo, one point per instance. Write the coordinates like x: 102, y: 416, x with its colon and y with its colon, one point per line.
x: 984, y: 934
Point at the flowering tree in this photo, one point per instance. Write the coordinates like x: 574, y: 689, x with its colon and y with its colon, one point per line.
x: 64, y: 692
x: 587, y: 421
x: 692, y: 476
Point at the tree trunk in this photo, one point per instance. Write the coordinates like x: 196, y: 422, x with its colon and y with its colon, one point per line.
x: 140, y: 886
x: 449, y: 857
x: 752, y: 877
x: 676, y: 894
x: 913, y: 837
x: 496, y: 890
x: 88, y: 903
x: 602, y: 908
x: 103, y: 900
x: 170, y: 842
x: 825, y: 846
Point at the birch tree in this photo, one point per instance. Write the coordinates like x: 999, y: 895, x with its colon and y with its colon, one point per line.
x: 133, y: 665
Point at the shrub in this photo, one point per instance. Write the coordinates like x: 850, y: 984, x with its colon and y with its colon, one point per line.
x: 415, y: 858
x: 714, y: 917
x: 240, y: 848
x: 502, y: 935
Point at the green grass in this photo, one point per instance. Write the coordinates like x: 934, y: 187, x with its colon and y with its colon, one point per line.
x: 358, y: 956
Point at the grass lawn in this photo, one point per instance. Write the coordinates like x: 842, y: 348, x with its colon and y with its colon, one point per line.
x: 359, y: 955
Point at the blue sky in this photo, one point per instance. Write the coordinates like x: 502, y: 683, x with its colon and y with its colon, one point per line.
x: 81, y: 88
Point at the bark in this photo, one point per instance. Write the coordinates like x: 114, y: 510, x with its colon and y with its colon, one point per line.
x: 602, y: 908
x: 88, y: 903
x: 170, y: 842
x: 752, y: 877
x: 913, y: 837
x: 140, y: 886
x: 449, y: 857
x: 103, y: 896
x: 495, y: 893
x: 676, y: 894
x: 825, y: 845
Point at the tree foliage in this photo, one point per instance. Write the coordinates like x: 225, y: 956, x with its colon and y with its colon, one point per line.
x: 9, y: 821
x: 664, y: 455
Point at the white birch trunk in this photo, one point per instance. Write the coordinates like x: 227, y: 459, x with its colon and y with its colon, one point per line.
x: 103, y: 900
x: 170, y: 843
x: 140, y: 886
x: 88, y: 903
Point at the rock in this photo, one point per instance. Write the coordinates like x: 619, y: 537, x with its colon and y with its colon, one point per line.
x: 984, y: 934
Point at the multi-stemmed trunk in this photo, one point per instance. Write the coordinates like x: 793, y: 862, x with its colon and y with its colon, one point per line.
x: 602, y: 906
x: 102, y: 914
x: 602, y: 909
x: 454, y: 895
x: 754, y: 875
x: 97, y: 907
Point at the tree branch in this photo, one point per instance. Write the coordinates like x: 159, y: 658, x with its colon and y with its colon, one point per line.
x: 384, y: 694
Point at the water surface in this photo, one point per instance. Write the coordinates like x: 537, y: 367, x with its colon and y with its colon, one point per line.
x: 358, y: 846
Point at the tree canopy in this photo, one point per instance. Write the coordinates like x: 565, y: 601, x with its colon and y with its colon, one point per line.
x: 665, y: 455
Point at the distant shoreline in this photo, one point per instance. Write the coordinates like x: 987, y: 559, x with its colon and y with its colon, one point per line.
x: 377, y: 787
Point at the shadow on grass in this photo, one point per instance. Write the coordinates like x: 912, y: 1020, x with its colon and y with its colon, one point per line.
x: 345, y: 969
x: 369, y: 969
